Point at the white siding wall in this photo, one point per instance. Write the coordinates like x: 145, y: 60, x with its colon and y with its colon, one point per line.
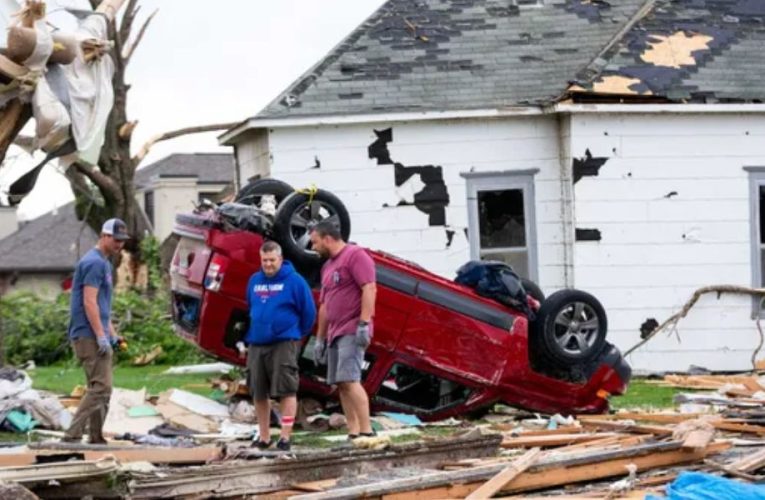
x: 656, y: 250
x: 253, y: 156
x: 457, y: 146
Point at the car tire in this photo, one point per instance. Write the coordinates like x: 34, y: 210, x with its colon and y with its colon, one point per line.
x: 533, y: 290
x: 570, y: 328
x: 294, y: 217
x: 252, y: 193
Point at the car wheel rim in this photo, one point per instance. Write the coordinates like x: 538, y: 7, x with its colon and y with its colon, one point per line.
x: 305, y: 216
x: 576, y: 328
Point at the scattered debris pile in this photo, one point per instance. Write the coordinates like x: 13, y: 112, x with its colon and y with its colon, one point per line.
x: 710, y: 437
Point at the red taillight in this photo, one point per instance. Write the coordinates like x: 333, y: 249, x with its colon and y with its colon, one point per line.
x: 216, y: 272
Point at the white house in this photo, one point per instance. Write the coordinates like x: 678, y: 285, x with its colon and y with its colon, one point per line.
x: 617, y: 147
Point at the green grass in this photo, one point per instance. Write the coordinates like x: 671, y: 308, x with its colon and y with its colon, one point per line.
x: 643, y: 394
x: 62, y: 379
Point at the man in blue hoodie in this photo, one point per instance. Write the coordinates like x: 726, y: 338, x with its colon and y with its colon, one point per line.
x: 282, y: 311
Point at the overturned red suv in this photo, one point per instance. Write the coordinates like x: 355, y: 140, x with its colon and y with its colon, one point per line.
x: 440, y: 348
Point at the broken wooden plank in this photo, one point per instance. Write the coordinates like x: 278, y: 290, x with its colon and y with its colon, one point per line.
x: 496, y: 483
x: 727, y: 425
x: 655, y: 430
x: 554, y: 440
x: 59, y: 471
x: 250, y: 478
x: 548, y: 472
x: 130, y: 453
x: 661, y: 418
x: 749, y: 463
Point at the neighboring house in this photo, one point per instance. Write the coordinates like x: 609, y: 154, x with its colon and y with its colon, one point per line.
x: 41, y: 255
x: 613, y: 146
x: 175, y: 183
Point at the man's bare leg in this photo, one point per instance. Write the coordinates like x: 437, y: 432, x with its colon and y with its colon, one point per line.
x: 359, y: 400
x: 346, y: 401
x: 263, y: 412
x: 288, y: 407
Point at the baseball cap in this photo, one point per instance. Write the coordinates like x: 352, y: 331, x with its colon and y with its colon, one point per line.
x: 116, y: 228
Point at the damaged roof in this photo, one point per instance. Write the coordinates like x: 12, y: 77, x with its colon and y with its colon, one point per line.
x: 686, y: 50
x: 419, y: 55
x: 434, y: 55
x: 52, y: 242
x: 209, y: 168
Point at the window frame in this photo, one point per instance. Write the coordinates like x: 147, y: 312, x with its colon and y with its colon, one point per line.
x: 756, y: 181
x: 149, y: 205
x: 497, y: 181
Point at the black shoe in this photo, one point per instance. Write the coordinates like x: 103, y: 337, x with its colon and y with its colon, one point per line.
x: 368, y: 434
x: 262, y: 445
x: 351, y: 437
x: 283, y: 444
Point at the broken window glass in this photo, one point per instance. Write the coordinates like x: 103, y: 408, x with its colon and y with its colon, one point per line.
x: 502, y: 228
x: 405, y: 386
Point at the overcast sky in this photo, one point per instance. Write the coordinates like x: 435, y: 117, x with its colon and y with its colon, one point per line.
x: 207, y: 62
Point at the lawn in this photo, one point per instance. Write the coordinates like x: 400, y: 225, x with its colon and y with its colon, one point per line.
x: 643, y: 394
x: 62, y: 379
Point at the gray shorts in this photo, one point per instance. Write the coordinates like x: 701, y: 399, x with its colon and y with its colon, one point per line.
x: 344, y: 360
x: 273, y: 370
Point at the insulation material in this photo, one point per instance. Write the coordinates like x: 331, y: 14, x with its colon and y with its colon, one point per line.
x: 617, y: 84
x: 119, y: 421
x: 675, y: 50
x: 90, y: 92
x: 51, y: 116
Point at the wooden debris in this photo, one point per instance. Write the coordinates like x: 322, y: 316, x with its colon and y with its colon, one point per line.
x: 496, y: 483
x: 553, y: 440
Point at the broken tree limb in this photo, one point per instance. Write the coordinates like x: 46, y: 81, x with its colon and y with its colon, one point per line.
x: 177, y: 133
x: 496, y: 483
x: 109, y: 8
x: 675, y: 318
x: 128, y: 51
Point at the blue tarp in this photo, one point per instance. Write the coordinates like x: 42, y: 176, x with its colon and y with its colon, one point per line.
x: 699, y: 486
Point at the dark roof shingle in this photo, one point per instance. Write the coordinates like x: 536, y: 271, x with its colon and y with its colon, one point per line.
x: 52, y: 242
x: 417, y: 55
x: 207, y: 167
x: 687, y: 50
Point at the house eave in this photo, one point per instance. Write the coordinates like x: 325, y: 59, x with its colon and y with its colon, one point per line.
x: 234, y: 135
x: 661, y: 108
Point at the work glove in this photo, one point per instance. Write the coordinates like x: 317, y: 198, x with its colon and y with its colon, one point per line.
x: 242, y: 349
x: 320, y: 352
x: 363, y: 337
x: 104, y: 345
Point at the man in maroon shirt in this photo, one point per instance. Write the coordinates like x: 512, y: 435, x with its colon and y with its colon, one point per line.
x: 346, y: 309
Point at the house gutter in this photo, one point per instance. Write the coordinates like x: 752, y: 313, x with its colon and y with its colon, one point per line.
x: 232, y: 136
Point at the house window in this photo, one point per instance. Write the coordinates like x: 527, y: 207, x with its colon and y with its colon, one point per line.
x: 207, y: 195
x: 148, y: 206
x: 407, y: 387
x: 757, y: 216
x: 501, y: 219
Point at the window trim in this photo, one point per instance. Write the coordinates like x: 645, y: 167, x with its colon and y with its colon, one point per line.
x: 756, y: 180
x: 513, y: 179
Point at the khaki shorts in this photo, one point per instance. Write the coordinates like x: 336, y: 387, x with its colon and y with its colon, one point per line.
x: 273, y: 370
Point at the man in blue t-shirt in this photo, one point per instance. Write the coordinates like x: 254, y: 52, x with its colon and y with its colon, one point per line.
x: 282, y: 312
x: 91, y: 331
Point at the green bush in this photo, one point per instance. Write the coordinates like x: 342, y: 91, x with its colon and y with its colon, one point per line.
x: 35, y: 328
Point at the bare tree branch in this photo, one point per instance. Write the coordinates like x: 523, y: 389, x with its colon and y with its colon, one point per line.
x: 102, y: 181
x: 127, y: 53
x: 675, y: 318
x: 126, y: 24
x: 177, y: 133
